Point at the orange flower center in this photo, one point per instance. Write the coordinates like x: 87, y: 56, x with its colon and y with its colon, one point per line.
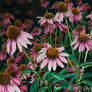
x: 62, y: 7
x: 75, y: 11
x: 11, y: 71
x: 9, y: 61
x: 27, y: 21
x: 67, y: 1
x: 7, y: 15
x: 79, y: 28
x: 86, y: 4
x: 80, y: 3
x: 49, y: 15
x: 83, y: 37
x: 35, y: 29
x: 52, y: 52
x: 13, y: 32
x: 4, y: 78
x: 17, y: 23
x: 37, y: 47
x: 22, y: 67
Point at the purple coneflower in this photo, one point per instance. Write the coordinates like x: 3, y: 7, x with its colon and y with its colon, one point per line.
x: 76, y: 15
x: 52, y: 56
x: 79, y: 29
x: 82, y: 41
x: 17, y: 37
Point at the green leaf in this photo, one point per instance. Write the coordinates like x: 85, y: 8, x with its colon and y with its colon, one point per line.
x: 64, y: 71
x: 87, y: 75
x: 74, y: 59
x: 56, y: 89
x: 27, y: 70
x: 71, y: 81
x: 63, y: 84
x: 68, y: 75
x: 43, y: 89
x: 46, y: 75
x: 34, y: 86
x: 86, y: 64
x: 58, y: 76
x: 88, y: 82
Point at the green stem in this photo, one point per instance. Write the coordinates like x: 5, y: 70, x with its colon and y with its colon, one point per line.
x: 28, y: 56
x: 69, y: 34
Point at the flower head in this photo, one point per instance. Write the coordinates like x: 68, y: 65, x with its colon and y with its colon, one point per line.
x: 52, y: 56
x: 82, y: 41
x: 17, y: 37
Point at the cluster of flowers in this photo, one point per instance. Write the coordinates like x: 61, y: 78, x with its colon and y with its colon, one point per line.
x: 46, y: 41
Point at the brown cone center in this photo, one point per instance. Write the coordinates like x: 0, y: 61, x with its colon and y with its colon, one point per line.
x: 37, y: 47
x: 75, y: 11
x: 52, y: 52
x: 13, y: 32
x: 83, y: 37
x: 62, y: 7
x: 22, y: 67
x: 35, y: 29
x: 17, y: 23
x: 4, y: 78
x: 49, y: 15
x: 79, y: 28
x: 67, y: 1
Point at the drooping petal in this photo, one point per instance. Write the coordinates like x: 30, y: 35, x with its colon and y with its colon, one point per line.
x: 60, y: 63
x: 44, y: 63
x: 41, y: 57
x: 13, y: 47
x: 10, y: 89
x: 19, y: 46
x: 63, y: 59
x: 63, y: 54
x: 54, y: 65
x: 8, y: 46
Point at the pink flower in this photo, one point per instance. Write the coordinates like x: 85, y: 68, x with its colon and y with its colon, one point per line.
x: 89, y: 16
x: 23, y: 88
x: 44, y: 3
x: 8, y: 84
x: 52, y: 56
x: 8, y: 80
x: 34, y: 51
x: 17, y: 37
x: 27, y: 24
x: 36, y: 31
x: 63, y: 10
x: 80, y: 5
x: 87, y: 7
x: 48, y: 22
x: 76, y: 15
x: 82, y: 41
x: 79, y: 29
x: 69, y: 3
x: 54, y: 6
x: 7, y: 18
